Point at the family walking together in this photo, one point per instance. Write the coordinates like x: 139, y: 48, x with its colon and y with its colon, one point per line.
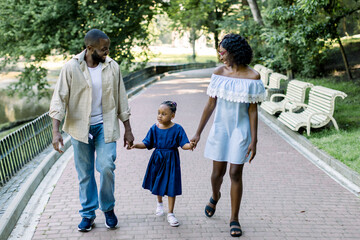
x: 91, y: 98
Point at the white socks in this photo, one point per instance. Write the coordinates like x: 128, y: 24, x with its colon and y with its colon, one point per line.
x: 159, y: 209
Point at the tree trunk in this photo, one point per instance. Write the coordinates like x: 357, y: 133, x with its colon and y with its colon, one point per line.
x: 193, y: 39
x: 289, y: 72
x: 255, y: 12
x: 346, y: 63
x: 216, y: 39
x: 243, y: 4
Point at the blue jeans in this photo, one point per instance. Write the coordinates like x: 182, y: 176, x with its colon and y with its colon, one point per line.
x: 84, y: 156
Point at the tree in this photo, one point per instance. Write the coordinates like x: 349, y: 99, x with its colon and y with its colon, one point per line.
x: 187, y: 16
x: 255, y: 12
x: 328, y: 14
x: 239, y: 21
x: 34, y: 29
x: 196, y: 16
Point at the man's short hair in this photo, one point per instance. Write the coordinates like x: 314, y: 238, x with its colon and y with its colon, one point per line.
x: 93, y: 37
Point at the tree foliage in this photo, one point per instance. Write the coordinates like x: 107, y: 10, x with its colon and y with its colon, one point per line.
x: 328, y: 14
x: 34, y: 29
x: 199, y: 16
x: 290, y: 40
x: 295, y: 33
x: 187, y: 16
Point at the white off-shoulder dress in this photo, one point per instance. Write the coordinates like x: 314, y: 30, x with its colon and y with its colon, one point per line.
x: 230, y: 134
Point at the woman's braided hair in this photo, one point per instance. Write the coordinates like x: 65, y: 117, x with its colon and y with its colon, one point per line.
x: 238, y: 48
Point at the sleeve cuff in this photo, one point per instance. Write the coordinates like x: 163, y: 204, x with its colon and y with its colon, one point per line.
x: 56, y: 115
x: 124, y: 116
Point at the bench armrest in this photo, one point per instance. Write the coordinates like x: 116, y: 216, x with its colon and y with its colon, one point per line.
x: 320, y: 113
x: 276, y: 95
x: 297, y: 104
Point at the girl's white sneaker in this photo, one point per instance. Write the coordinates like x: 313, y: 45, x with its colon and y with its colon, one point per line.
x: 172, y: 220
x: 159, y: 209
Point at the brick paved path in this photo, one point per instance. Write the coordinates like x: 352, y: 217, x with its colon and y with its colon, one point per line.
x: 285, y: 197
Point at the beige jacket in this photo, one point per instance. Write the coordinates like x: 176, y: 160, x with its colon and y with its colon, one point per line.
x: 73, y: 95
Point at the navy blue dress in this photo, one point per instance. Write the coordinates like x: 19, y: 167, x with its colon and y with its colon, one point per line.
x: 163, y: 175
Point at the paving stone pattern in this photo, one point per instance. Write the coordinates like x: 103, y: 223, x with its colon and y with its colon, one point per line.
x: 285, y: 196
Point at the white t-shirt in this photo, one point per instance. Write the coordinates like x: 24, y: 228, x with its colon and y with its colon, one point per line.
x: 96, y: 107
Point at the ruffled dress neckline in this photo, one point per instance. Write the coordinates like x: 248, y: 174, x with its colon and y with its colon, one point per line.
x: 236, y: 89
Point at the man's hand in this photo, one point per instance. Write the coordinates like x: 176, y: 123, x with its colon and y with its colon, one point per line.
x: 128, y: 136
x: 128, y: 139
x: 57, y: 140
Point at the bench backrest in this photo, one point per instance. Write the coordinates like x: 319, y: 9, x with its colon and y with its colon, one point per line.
x: 264, y: 75
x: 275, y: 79
x: 258, y: 67
x: 322, y: 99
x: 296, y: 90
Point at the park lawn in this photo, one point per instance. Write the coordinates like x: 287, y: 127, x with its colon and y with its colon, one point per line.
x: 344, y: 144
x: 7, y: 132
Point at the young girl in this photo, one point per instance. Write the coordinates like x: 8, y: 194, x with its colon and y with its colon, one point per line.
x: 163, y: 176
x: 234, y: 90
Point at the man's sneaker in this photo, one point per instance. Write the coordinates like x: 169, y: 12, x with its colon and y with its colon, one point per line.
x: 86, y: 225
x: 111, y: 220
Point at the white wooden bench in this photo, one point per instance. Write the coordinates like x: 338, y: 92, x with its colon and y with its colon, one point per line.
x: 258, y: 67
x: 318, y: 112
x: 295, y: 94
x: 274, y: 85
x: 275, y: 80
x: 265, y: 75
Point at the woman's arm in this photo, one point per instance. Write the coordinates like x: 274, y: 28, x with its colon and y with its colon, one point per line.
x: 208, y: 110
x: 253, y: 118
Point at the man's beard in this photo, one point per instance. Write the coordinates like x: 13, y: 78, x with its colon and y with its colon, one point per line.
x: 96, y: 58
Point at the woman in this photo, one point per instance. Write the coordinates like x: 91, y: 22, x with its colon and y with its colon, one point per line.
x: 235, y: 89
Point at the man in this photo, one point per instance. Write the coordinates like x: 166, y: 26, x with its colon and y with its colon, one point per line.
x: 91, y: 95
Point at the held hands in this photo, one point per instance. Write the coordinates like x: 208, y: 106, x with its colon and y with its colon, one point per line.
x: 194, y: 140
x: 136, y: 145
x: 128, y: 139
x: 188, y: 146
x: 192, y: 146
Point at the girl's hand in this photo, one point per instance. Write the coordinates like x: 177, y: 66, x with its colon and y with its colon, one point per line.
x: 136, y: 145
x: 194, y: 140
x: 252, y: 150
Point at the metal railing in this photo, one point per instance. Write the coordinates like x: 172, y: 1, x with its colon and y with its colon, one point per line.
x: 21, y: 146
x: 136, y: 78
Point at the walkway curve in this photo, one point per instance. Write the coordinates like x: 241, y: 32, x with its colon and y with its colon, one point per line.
x: 285, y: 197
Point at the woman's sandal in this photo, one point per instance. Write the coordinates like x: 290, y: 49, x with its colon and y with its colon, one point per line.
x: 236, y: 230
x: 209, y: 211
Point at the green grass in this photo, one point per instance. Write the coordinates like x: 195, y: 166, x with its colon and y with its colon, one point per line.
x: 344, y: 144
x: 6, y: 132
x: 182, y: 58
